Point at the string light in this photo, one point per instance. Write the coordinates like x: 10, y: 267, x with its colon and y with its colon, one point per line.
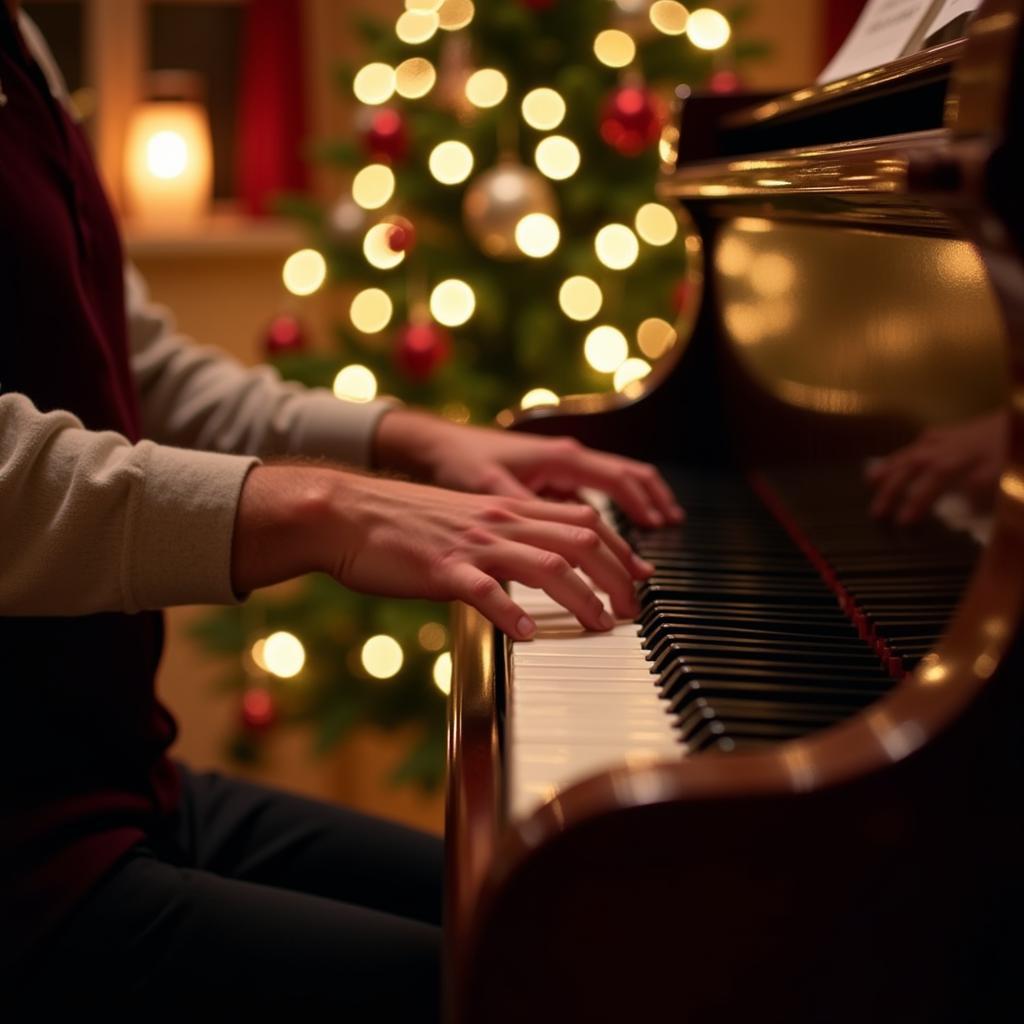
x: 452, y: 302
x: 371, y: 310
x: 304, y: 272
x: 543, y: 109
x: 580, y: 298
x: 486, y: 87
x: 605, y: 349
x: 656, y: 224
x: 614, y: 48
x: 355, y: 383
x: 537, y: 235
x: 377, y: 251
x: 432, y: 636
x: 282, y: 655
x: 708, y: 29
x: 669, y: 17
x: 536, y: 397
x: 373, y: 186
x: 414, y: 78
x: 382, y: 656
x: 374, y: 84
x: 631, y: 371
x: 655, y: 337
x: 455, y: 14
x: 417, y: 26
x: 443, y: 673
x: 451, y: 162
x: 616, y: 246
x: 557, y: 157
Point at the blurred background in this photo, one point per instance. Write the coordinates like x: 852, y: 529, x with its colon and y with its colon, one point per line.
x: 252, y: 147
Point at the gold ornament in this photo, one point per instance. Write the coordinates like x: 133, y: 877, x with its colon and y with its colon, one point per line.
x: 498, y: 200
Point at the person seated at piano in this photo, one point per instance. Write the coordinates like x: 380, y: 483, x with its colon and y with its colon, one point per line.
x: 137, y: 472
x: 965, y: 458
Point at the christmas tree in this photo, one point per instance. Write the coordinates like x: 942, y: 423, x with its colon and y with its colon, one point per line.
x: 504, y: 246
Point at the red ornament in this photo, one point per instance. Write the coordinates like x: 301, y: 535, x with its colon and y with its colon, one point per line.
x: 259, y: 711
x: 421, y: 349
x: 724, y: 82
x: 284, y: 335
x: 631, y: 119
x: 386, y: 136
x: 401, y: 235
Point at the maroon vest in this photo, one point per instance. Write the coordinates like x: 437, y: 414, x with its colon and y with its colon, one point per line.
x: 82, y: 737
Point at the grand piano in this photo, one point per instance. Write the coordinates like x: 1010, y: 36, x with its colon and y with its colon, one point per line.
x: 789, y: 791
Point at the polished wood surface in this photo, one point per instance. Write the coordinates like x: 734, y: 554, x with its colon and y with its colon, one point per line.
x: 869, y: 871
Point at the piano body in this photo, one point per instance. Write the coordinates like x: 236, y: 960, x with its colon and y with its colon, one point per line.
x: 845, y: 854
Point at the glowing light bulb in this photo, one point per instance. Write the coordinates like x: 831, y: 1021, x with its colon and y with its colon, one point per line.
x: 371, y: 310
x: 355, y: 383
x: 630, y: 372
x: 374, y: 84
x: 486, y: 87
x: 167, y: 155
x: 557, y: 157
x: 656, y: 224
x: 451, y: 162
x: 382, y: 656
x: 537, y: 235
x: 452, y: 302
x: 708, y: 29
x: 455, y: 14
x: 282, y: 655
x: 304, y: 272
x: 373, y: 186
x: 543, y: 109
x: 417, y: 26
x: 614, y: 48
x: 432, y: 636
x: 580, y: 298
x: 655, y: 337
x: 669, y: 17
x: 605, y: 349
x: 538, y: 396
x: 443, y: 673
x: 414, y: 78
x: 376, y: 249
x: 616, y: 246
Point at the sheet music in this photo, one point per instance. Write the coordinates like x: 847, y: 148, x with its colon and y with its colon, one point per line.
x: 950, y: 11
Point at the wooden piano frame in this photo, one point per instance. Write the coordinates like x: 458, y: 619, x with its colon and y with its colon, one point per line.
x: 871, y: 871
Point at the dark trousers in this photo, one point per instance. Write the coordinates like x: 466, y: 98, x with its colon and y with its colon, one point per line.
x: 253, y: 899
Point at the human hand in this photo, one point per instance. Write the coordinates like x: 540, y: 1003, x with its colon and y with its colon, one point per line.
x: 398, y: 539
x: 968, y: 457
x: 519, y: 465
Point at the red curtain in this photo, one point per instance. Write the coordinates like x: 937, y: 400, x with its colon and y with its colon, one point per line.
x: 840, y: 16
x: 272, y: 104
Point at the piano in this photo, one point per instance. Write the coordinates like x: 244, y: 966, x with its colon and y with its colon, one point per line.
x: 791, y: 790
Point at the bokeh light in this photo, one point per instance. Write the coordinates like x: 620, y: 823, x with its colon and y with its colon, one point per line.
x: 304, y: 272
x: 382, y: 656
x: 538, y: 396
x: 557, y: 157
x: 452, y: 302
x: 374, y: 83
x: 537, y: 235
x: 282, y: 655
x: 432, y: 636
x: 656, y: 224
x: 616, y: 246
x: 443, y: 673
x: 543, y: 109
x: 655, y: 337
x: 417, y: 26
x: 414, y: 78
x: 376, y: 249
x: 455, y: 14
x: 669, y: 17
x: 614, y: 48
x: 371, y: 310
x: 355, y: 383
x: 580, y: 298
x: 451, y: 162
x: 486, y: 87
x: 630, y: 372
x: 373, y: 186
x: 708, y: 29
x: 606, y: 348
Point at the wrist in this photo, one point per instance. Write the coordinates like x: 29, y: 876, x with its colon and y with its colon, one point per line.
x: 409, y: 441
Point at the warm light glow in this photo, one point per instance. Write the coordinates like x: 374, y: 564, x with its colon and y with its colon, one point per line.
x: 614, y: 48
x: 355, y: 383
x: 416, y: 26
x: 656, y: 224
x: 772, y: 274
x: 304, y: 272
x: 443, y: 673
x: 616, y: 246
x: 166, y: 154
x: 537, y: 235
x: 371, y: 310
x: 669, y: 17
x: 629, y: 372
x: 486, y: 87
x: 457, y: 412
x: 655, y: 337
x: 543, y: 109
x: 557, y: 157
x: 452, y: 302
x: 455, y: 14
x: 374, y: 83
x: 606, y: 349
x: 282, y: 655
x: 373, y: 186
x: 451, y: 162
x: 733, y: 256
x: 708, y: 29
x: 423, y: 5
x: 376, y: 249
x: 414, y: 78
x: 580, y: 298
x: 432, y: 636
x: 538, y: 396
x: 382, y: 656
